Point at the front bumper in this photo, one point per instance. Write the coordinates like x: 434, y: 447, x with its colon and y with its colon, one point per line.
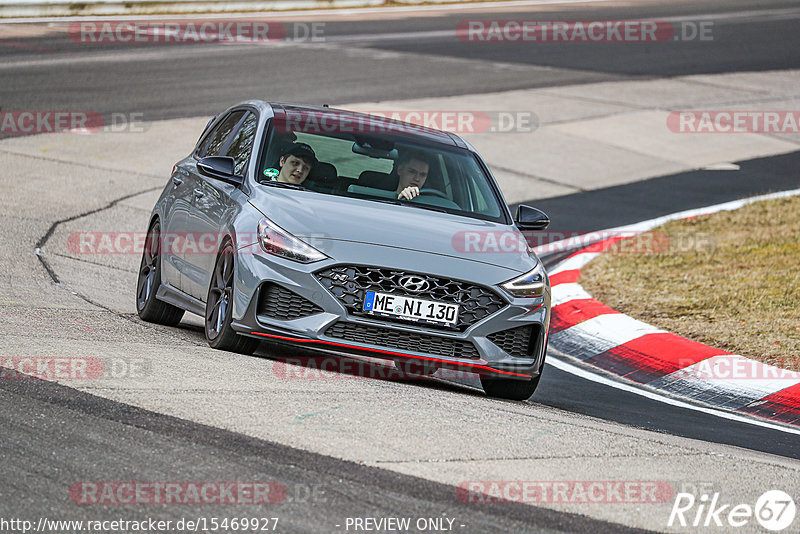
x: 332, y: 329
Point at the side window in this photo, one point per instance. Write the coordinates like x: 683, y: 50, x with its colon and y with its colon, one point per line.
x: 242, y: 143
x: 216, y: 140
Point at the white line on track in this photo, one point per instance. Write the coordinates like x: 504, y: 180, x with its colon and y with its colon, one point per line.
x: 567, y: 367
x: 584, y: 240
x: 561, y: 363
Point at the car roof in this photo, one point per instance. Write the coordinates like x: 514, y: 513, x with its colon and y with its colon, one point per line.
x: 405, y: 131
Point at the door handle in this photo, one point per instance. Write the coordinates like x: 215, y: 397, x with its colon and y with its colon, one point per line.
x: 198, y: 193
x: 177, y: 180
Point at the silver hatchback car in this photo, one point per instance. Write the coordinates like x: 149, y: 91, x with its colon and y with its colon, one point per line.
x: 353, y: 235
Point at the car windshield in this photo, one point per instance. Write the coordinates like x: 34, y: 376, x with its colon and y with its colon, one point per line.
x: 372, y: 165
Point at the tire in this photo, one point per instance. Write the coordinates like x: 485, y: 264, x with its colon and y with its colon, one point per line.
x: 148, y: 307
x: 505, y: 388
x: 219, y: 309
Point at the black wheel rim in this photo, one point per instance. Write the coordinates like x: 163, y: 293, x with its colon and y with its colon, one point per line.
x: 147, y: 270
x: 219, y: 295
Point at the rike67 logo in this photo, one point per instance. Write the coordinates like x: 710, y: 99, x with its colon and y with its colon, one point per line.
x: 774, y: 510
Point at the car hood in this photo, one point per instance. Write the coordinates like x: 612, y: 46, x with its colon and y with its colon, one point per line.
x: 319, y: 218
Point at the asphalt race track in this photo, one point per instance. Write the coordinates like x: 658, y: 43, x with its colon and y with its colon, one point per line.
x: 342, y: 448
x: 190, y: 81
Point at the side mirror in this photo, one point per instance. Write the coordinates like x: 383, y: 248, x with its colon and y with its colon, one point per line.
x: 221, y: 168
x: 529, y: 218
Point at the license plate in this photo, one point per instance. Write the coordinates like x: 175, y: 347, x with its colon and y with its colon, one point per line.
x: 410, y: 308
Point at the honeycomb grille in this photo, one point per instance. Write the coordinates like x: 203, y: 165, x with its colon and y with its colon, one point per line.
x: 519, y: 342
x: 278, y: 302
x: 405, y: 341
x: 349, y: 283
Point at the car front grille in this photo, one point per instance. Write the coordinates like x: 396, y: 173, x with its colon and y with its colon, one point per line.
x: 405, y: 341
x: 278, y: 302
x: 348, y: 283
x: 519, y: 342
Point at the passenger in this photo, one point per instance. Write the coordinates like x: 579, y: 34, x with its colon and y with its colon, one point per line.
x: 295, y: 164
x: 412, y: 171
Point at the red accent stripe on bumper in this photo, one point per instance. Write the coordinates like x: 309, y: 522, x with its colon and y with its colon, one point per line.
x: 448, y: 362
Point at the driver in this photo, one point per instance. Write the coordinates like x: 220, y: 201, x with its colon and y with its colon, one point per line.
x: 295, y: 164
x: 412, y: 171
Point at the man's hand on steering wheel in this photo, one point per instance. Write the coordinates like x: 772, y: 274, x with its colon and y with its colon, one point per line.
x: 409, y: 192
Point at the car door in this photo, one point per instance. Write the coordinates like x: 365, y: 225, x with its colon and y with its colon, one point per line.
x: 183, y: 227
x: 216, y: 204
x: 176, y: 217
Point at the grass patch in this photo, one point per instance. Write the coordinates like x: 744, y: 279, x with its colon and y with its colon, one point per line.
x: 730, y: 280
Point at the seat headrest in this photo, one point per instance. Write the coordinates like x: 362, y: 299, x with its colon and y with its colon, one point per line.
x: 323, y: 172
x: 378, y: 180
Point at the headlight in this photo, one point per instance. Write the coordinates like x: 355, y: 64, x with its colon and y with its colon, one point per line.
x: 275, y: 240
x: 530, y: 284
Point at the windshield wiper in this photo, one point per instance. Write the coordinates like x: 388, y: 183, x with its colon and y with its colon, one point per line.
x: 406, y: 203
x: 284, y: 185
x: 425, y: 206
x: 383, y: 200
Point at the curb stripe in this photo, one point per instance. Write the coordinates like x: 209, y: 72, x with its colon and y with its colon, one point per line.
x: 575, y: 262
x: 783, y: 406
x: 598, y: 334
x: 652, y: 356
x: 564, y: 277
x: 744, y: 380
x: 730, y: 394
x: 589, y: 331
x: 566, y: 292
x: 576, y: 311
x: 563, y: 364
